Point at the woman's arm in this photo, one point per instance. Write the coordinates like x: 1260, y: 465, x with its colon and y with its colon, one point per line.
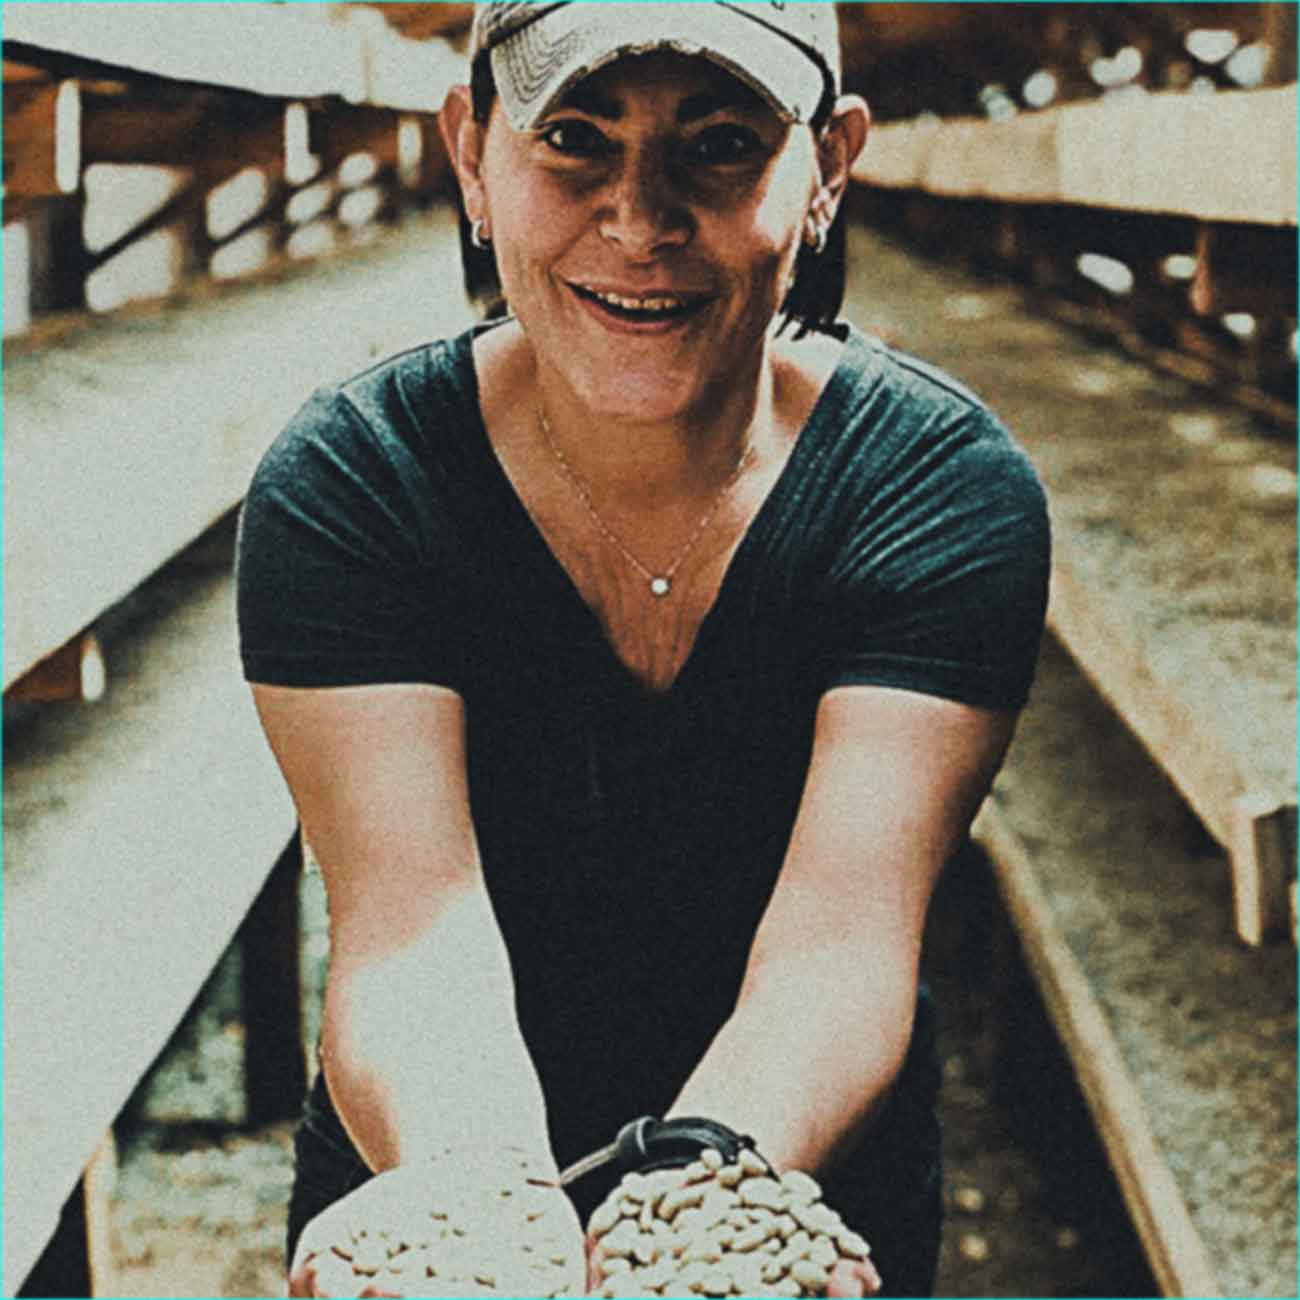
x: 421, y: 1046
x: 825, y: 1012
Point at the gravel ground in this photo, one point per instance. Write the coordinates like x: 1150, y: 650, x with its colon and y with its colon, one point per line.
x: 199, y: 1202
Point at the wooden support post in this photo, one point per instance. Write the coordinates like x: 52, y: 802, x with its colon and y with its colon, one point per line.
x: 73, y: 672
x: 1263, y: 860
x: 274, y: 1063
x: 1280, y: 35
x: 78, y: 1259
x: 1245, y: 268
x: 30, y: 139
x: 429, y: 178
x: 355, y: 128
x: 57, y: 255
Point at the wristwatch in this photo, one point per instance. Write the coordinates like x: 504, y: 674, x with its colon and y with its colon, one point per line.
x: 646, y: 1144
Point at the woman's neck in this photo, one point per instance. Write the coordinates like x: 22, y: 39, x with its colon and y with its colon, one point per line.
x: 620, y: 456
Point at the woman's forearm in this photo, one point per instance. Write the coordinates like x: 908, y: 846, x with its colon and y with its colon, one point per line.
x: 809, y: 1054
x: 422, y: 1048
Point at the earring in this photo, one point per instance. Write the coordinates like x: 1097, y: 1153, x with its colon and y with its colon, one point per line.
x: 478, y: 235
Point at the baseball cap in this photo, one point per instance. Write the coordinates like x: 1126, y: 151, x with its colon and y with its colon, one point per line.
x: 785, y: 50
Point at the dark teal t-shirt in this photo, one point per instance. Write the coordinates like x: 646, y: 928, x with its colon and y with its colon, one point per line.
x: 631, y: 840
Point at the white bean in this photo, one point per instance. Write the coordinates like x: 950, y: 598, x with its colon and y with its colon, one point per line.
x: 764, y: 1192
x: 810, y: 1276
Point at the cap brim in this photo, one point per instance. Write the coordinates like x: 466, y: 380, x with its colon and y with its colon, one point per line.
x: 538, y: 65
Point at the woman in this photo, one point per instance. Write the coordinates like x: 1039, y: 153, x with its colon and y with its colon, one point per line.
x: 635, y: 663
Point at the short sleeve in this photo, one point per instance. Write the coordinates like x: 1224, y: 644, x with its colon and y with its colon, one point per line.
x: 940, y: 585
x: 338, y: 577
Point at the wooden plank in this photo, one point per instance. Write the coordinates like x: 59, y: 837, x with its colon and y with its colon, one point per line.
x: 284, y: 51
x: 1014, y: 159
x: 106, y: 475
x: 1217, y: 782
x: 144, y: 827
x: 1177, y: 1254
x: 97, y: 1184
x: 1228, y: 157
x: 305, y: 51
x: 1183, y: 1037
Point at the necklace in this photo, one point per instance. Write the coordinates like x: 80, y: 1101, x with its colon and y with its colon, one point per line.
x: 660, y: 584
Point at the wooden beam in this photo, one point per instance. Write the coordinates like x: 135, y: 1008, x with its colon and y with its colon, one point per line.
x: 198, y: 130
x: 1176, y: 1252
x: 177, y: 208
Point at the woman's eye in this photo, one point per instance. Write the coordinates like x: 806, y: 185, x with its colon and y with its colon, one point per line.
x: 719, y: 145
x: 575, y: 138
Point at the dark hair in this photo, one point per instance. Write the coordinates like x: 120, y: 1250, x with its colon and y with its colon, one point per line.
x: 815, y: 296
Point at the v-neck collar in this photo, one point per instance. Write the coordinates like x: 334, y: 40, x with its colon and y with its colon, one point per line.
x: 546, y: 566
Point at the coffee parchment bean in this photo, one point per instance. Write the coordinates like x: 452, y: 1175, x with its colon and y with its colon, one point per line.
x: 760, y: 1191
x: 718, y: 1230
x: 800, y: 1186
x: 811, y: 1277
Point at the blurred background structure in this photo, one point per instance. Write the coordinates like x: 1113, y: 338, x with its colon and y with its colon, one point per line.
x: 1085, y: 211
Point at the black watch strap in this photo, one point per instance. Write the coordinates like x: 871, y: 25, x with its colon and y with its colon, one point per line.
x: 647, y: 1144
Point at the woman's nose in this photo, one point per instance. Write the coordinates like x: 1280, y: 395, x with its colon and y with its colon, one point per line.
x: 642, y: 215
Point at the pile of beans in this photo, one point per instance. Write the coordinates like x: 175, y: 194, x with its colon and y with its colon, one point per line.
x: 719, y: 1229
x: 506, y: 1234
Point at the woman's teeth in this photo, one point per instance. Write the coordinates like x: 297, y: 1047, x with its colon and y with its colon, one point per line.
x: 659, y: 303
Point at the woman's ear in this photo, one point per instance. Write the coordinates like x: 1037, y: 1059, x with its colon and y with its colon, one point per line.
x: 838, y: 146
x: 462, y: 137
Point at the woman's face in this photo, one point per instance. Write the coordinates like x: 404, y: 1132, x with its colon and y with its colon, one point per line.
x: 646, y: 233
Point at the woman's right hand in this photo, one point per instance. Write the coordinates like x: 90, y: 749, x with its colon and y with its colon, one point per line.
x: 386, y: 1199
x: 481, y: 1224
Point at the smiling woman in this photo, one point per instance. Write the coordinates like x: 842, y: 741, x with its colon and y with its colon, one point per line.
x: 637, y: 662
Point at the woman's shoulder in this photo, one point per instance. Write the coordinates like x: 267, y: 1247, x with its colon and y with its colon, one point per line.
x: 886, y: 416
x: 434, y: 375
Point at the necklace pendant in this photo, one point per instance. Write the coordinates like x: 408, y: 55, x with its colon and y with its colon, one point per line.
x: 660, y: 586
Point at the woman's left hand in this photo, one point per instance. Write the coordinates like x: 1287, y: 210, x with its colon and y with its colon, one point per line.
x: 854, y: 1277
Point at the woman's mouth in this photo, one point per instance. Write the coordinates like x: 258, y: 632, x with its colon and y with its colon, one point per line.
x: 653, y: 308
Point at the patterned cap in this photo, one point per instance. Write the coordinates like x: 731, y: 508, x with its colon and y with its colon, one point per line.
x: 787, y: 51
